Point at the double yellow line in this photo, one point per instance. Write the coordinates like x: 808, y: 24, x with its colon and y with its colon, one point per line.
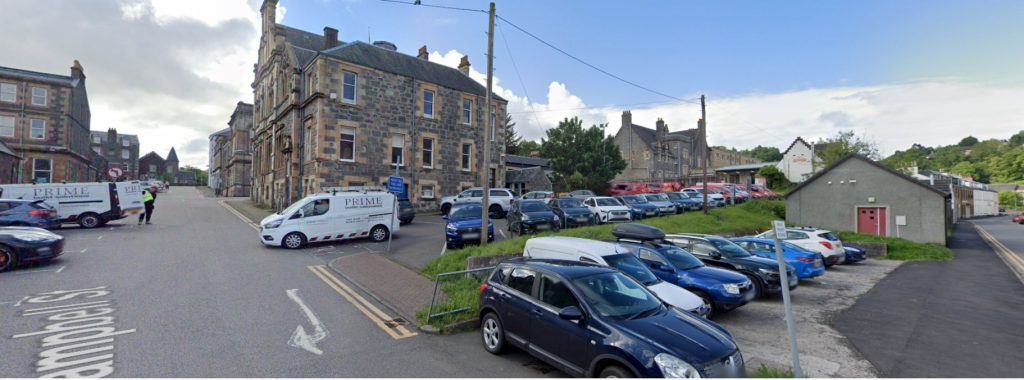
x: 1011, y: 259
x: 378, y: 317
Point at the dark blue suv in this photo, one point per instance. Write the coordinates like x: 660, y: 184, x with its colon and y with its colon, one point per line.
x: 594, y: 321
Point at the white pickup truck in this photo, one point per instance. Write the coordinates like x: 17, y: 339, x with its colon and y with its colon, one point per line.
x: 500, y: 200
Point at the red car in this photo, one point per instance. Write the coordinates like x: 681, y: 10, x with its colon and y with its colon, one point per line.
x: 1019, y: 219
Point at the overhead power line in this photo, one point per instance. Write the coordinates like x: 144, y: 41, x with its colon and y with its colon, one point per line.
x: 419, y: 3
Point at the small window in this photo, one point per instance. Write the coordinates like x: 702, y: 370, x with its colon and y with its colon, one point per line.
x: 7, y: 126
x: 587, y: 260
x: 494, y: 124
x: 125, y: 143
x: 499, y: 193
x: 555, y: 293
x: 501, y: 274
x: 42, y: 170
x: 466, y: 156
x: 348, y: 88
x: 316, y: 208
x: 467, y: 111
x: 96, y: 140
x: 8, y: 92
x: 647, y: 255
x: 428, y: 153
x: 476, y: 193
x: 522, y: 280
x: 397, y: 147
x: 793, y: 235
x: 428, y: 104
x: 37, y: 129
x: 38, y: 96
x: 427, y: 191
x: 152, y: 167
x: 125, y: 154
x: 347, y: 151
x: 702, y: 248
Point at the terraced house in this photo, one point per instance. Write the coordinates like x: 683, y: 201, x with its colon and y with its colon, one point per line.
x: 330, y: 114
x: 44, y: 119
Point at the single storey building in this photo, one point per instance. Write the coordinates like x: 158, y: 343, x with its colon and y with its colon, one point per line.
x: 858, y: 194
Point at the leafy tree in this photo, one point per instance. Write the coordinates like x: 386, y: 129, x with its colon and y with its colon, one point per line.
x: 581, y: 156
x: 763, y: 153
x: 512, y: 138
x: 964, y: 168
x: 843, y: 143
x: 774, y: 178
x: 201, y: 175
x: 527, y: 146
x: 1010, y: 199
x: 916, y: 155
x: 1017, y: 139
x: 968, y: 141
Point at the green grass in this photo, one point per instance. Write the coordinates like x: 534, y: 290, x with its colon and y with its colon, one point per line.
x: 902, y: 249
x: 766, y: 372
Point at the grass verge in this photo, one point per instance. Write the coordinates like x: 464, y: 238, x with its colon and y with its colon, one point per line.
x: 766, y: 372
x: 902, y: 249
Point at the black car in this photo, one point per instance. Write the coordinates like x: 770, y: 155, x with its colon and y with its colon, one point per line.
x: 593, y: 321
x: 528, y: 216
x: 28, y: 213
x: 572, y: 212
x: 20, y: 245
x: 406, y: 211
x: 720, y: 252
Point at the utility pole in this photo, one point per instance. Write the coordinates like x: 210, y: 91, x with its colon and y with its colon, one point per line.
x: 704, y: 137
x: 489, y: 127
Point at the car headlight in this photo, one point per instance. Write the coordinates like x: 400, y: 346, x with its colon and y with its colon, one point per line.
x: 556, y: 218
x: 768, y: 272
x: 272, y: 225
x: 452, y: 228
x: 673, y: 367
x: 525, y: 218
x: 732, y: 288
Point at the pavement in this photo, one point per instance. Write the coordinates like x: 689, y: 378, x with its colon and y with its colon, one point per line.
x: 197, y: 295
x: 950, y: 319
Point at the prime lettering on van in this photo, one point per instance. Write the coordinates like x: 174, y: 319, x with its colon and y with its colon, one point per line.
x: 62, y: 192
x: 78, y: 338
x: 364, y: 202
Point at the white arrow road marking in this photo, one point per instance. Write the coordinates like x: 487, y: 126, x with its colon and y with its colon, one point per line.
x: 300, y: 338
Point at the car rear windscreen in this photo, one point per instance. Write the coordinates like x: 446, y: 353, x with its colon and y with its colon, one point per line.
x: 828, y: 236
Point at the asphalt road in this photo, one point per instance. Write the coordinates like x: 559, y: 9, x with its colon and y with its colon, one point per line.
x: 196, y: 295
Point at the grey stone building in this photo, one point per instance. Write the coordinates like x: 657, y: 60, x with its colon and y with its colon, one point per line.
x: 331, y: 114
x: 153, y: 166
x: 237, y: 163
x: 860, y: 195
x: 219, y: 151
x: 524, y: 174
x: 119, y: 150
x: 659, y: 155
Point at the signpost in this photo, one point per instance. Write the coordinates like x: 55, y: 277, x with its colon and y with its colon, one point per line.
x: 114, y: 173
x: 395, y: 186
x: 780, y: 235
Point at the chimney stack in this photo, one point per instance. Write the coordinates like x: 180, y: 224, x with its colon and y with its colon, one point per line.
x: 423, y: 53
x: 330, y: 37
x: 660, y: 127
x: 112, y: 136
x: 464, y: 65
x: 76, y: 70
x: 627, y: 119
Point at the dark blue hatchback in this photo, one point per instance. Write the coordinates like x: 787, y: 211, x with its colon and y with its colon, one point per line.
x: 594, y: 321
x: 464, y: 222
x: 639, y: 207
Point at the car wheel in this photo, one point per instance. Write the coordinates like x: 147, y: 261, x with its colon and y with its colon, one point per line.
x: 294, y: 240
x: 758, y: 288
x: 492, y: 334
x: 520, y: 230
x: 379, y: 233
x: 615, y: 372
x: 89, y: 220
x: 7, y: 258
x: 445, y: 208
x: 496, y: 210
x: 708, y: 303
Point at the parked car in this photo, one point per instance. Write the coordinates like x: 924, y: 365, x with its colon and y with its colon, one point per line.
x: 463, y: 224
x: 28, y: 213
x: 615, y: 256
x: 684, y: 202
x: 406, y: 211
x: 543, y: 195
x: 722, y: 253
x: 721, y: 289
x: 639, y: 207
x: 531, y: 216
x: 499, y: 200
x: 1019, y: 219
x: 20, y: 245
x: 572, y: 212
x: 806, y: 263
x: 626, y: 188
x: 714, y: 199
x: 663, y: 203
x: 593, y: 321
x: 854, y: 254
x: 815, y: 240
x: 608, y: 209
x: 581, y: 194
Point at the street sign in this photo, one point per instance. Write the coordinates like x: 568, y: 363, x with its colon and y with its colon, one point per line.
x: 115, y: 173
x: 780, y: 229
x: 395, y: 184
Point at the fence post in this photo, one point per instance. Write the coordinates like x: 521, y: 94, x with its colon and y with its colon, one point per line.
x: 430, y: 310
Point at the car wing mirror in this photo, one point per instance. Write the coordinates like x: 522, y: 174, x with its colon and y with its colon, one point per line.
x: 571, y: 313
x: 715, y: 255
x: 665, y: 268
x: 444, y: 216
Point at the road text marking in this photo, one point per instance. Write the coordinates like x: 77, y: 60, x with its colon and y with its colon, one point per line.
x: 300, y: 338
x: 378, y: 317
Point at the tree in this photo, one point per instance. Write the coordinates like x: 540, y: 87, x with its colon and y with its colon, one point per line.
x: 1017, y: 139
x: 527, y: 146
x: 581, y: 156
x: 512, y: 138
x: 774, y: 178
x: 964, y: 168
x: 1010, y: 199
x: 843, y: 143
x: 763, y: 153
x: 968, y: 141
x: 201, y: 176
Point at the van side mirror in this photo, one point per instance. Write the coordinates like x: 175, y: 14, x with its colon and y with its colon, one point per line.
x: 571, y: 313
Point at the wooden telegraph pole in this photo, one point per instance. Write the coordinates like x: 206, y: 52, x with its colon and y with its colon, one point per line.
x: 490, y: 127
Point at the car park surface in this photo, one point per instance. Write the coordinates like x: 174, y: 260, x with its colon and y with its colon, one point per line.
x: 806, y: 264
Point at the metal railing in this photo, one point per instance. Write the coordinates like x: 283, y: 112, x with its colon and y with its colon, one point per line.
x: 460, y: 292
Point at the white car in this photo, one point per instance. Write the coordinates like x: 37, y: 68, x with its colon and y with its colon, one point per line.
x: 608, y: 209
x: 615, y: 256
x: 665, y: 205
x: 500, y: 200
x: 714, y: 199
x: 815, y: 240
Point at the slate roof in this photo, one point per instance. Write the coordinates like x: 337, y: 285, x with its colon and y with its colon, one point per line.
x: 869, y: 161
x: 63, y: 80
x: 798, y: 140
x: 151, y: 154
x: 737, y: 168
x: 222, y: 132
x: 649, y: 136
x: 525, y: 160
x: 526, y: 175
x: 120, y: 136
x: 172, y: 156
x: 4, y: 149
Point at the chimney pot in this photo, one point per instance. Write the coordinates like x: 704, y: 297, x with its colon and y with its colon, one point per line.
x: 464, y: 65
x: 76, y: 70
x: 423, y: 53
x: 330, y: 37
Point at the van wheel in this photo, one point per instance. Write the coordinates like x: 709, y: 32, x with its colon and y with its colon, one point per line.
x: 379, y: 233
x: 615, y: 372
x: 7, y: 258
x: 293, y: 240
x: 89, y: 220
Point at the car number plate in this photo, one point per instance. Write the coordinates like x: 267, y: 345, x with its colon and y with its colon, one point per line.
x: 542, y: 227
x: 472, y: 235
x: 817, y: 263
x: 581, y: 219
x: 650, y: 213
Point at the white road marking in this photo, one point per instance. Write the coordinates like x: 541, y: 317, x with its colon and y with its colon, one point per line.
x: 300, y: 338
x: 99, y: 237
x: 61, y: 269
x: 83, y: 250
x: 20, y: 301
x: 444, y: 248
x: 32, y: 271
x: 502, y: 232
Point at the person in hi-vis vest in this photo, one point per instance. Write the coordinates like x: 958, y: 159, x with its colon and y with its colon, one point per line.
x: 148, y: 198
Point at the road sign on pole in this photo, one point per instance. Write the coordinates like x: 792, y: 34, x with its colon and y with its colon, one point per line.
x: 115, y: 173
x: 780, y: 234
x: 395, y: 186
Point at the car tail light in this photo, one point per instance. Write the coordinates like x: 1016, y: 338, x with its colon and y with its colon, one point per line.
x: 483, y: 287
x: 39, y: 213
x: 826, y: 244
x: 805, y: 259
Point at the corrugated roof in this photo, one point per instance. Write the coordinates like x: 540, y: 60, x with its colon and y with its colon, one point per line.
x: 37, y: 76
x: 523, y: 175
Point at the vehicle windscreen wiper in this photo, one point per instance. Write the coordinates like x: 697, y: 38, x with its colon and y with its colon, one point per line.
x: 645, y: 312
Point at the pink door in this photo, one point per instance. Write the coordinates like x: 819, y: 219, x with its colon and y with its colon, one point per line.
x: 871, y: 220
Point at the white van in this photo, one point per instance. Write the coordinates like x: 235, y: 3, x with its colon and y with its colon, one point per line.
x: 615, y: 256
x: 90, y: 204
x: 332, y: 216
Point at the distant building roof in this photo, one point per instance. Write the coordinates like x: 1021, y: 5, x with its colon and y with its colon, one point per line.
x: 744, y: 167
x: 63, y: 80
x: 650, y: 136
x: 222, y: 132
x: 798, y: 140
x: 525, y: 175
x: 150, y: 155
x: 120, y: 136
x: 1006, y: 187
x: 872, y: 163
x: 526, y: 160
x: 172, y: 156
